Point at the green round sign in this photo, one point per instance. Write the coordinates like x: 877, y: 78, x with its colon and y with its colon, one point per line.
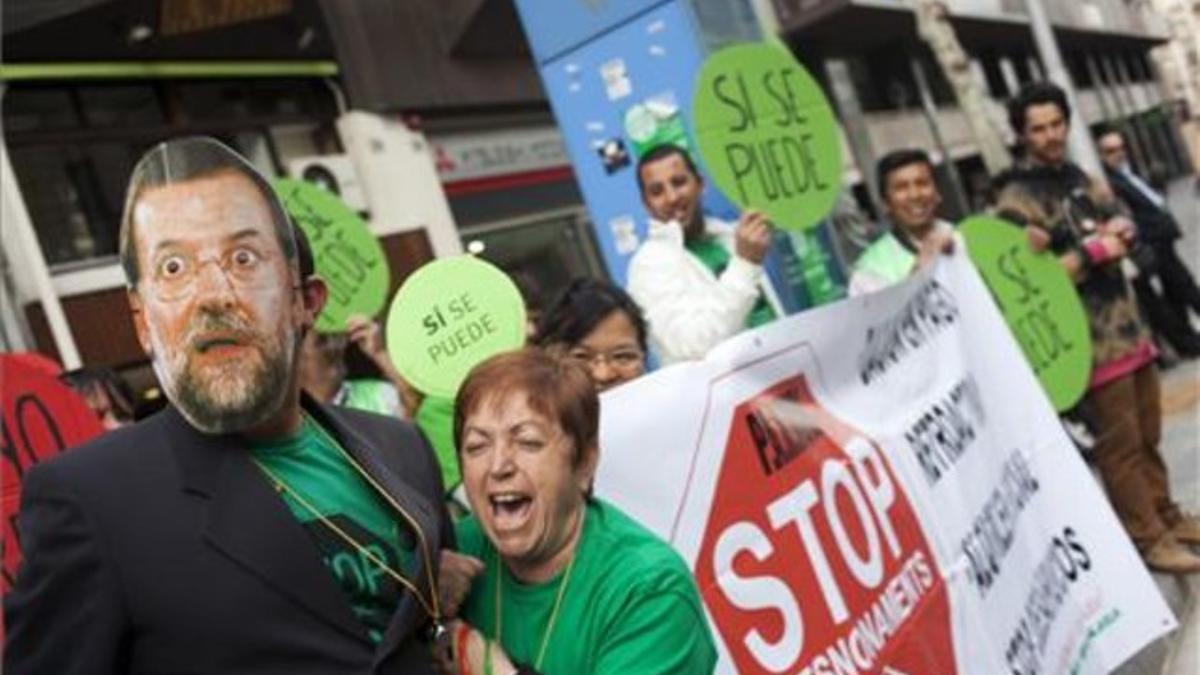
x: 345, y: 253
x: 767, y: 134
x: 1040, y: 304
x: 450, y: 315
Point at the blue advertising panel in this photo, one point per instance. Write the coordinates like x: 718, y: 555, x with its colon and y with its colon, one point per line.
x: 624, y: 91
x: 555, y: 26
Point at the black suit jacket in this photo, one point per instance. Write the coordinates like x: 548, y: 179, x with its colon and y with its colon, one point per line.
x: 1155, y: 225
x: 159, y: 549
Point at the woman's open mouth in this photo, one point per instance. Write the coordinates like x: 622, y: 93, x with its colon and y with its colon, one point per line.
x: 510, y: 510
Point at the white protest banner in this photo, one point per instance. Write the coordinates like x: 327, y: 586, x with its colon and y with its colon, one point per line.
x: 881, y: 486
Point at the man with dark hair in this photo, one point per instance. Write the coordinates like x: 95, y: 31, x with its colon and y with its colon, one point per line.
x: 1155, y: 255
x: 1065, y: 209
x: 699, y: 279
x: 1050, y: 138
x: 911, y: 199
x: 246, y: 528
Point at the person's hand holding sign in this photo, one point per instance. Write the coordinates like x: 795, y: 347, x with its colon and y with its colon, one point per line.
x: 752, y: 238
x: 937, y: 243
x: 456, y: 572
x: 366, y: 334
x: 1114, y: 246
x: 1121, y: 227
x: 767, y: 134
x: 1039, y: 239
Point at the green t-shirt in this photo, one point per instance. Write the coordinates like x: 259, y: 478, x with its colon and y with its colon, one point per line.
x: 374, y: 396
x: 887, y: 260
x: 630, y: 605
x: 435, y: 418
x: 311, y: 464
x: 714, y: 255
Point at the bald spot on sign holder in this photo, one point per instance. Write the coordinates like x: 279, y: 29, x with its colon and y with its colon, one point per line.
x: 345, y: 253
x: 767, y: 134
x: 450, y: 315
x: 1039, y: 303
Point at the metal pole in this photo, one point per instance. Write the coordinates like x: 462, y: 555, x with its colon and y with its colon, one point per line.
x: 930, y: 109
x: 12, y: 332
x: 1112, y: 110
x: 1082, y: 149
x: 854, y: 123
x: 1141, y: 149
x: 21, y: 234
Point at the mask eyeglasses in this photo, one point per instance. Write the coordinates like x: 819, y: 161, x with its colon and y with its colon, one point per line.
x: 623, y: 359
x: 175, y: 274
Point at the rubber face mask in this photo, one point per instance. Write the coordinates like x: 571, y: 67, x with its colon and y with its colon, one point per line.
x: 211, y: 263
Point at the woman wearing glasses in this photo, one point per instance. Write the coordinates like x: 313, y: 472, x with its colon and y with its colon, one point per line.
x: 597, y: 325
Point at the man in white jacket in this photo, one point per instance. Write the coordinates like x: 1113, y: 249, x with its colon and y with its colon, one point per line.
x: 699, y: 279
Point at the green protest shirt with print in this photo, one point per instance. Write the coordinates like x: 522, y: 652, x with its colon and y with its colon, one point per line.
x: 435, y: 418
x: 374, y: 396
x: 629, y: 604
x: 311, y: 464
x: 714, y: 255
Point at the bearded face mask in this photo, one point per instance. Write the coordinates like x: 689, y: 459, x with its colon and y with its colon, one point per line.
x: 211, y: 263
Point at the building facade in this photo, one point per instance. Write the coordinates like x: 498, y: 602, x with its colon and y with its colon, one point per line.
x: 442, y: 140
x: 432, y: 117
x: 871, y: 59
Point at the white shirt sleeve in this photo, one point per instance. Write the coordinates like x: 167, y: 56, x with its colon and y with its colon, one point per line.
x: 688, y: 313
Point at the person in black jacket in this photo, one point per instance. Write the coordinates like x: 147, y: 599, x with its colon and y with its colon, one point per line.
x: 1155, y: 256
x: 246, y: 528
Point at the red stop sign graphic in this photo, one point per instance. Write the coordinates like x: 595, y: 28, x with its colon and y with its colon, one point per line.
x: 813, y: 560
x: 41, y: 417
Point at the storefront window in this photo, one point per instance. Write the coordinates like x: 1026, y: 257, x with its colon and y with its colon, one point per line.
x: 73, y: 147
x: 105, y: 106
x: 541, y: 255
x: 38, y: 108
x: 75, y: 194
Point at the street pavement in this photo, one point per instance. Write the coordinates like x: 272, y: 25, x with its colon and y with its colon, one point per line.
x: 1181, y: 437
x: 1179, y: 652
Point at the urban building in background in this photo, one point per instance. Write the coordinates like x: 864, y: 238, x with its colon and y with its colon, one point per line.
x: 430, y: 119
x: 892, y: 90
x: 1179, y: 62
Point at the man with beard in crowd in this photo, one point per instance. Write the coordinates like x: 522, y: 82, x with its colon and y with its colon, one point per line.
x: 1068, y: 211
x: 246, y: 528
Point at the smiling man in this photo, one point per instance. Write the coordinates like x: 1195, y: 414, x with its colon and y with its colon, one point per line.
x: 247, y: 528
x: 911, y: 199
x: 698, y: 279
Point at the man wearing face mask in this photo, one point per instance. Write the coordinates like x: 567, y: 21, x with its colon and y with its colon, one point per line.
x: 699, y: 280
x: 246, y: 528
